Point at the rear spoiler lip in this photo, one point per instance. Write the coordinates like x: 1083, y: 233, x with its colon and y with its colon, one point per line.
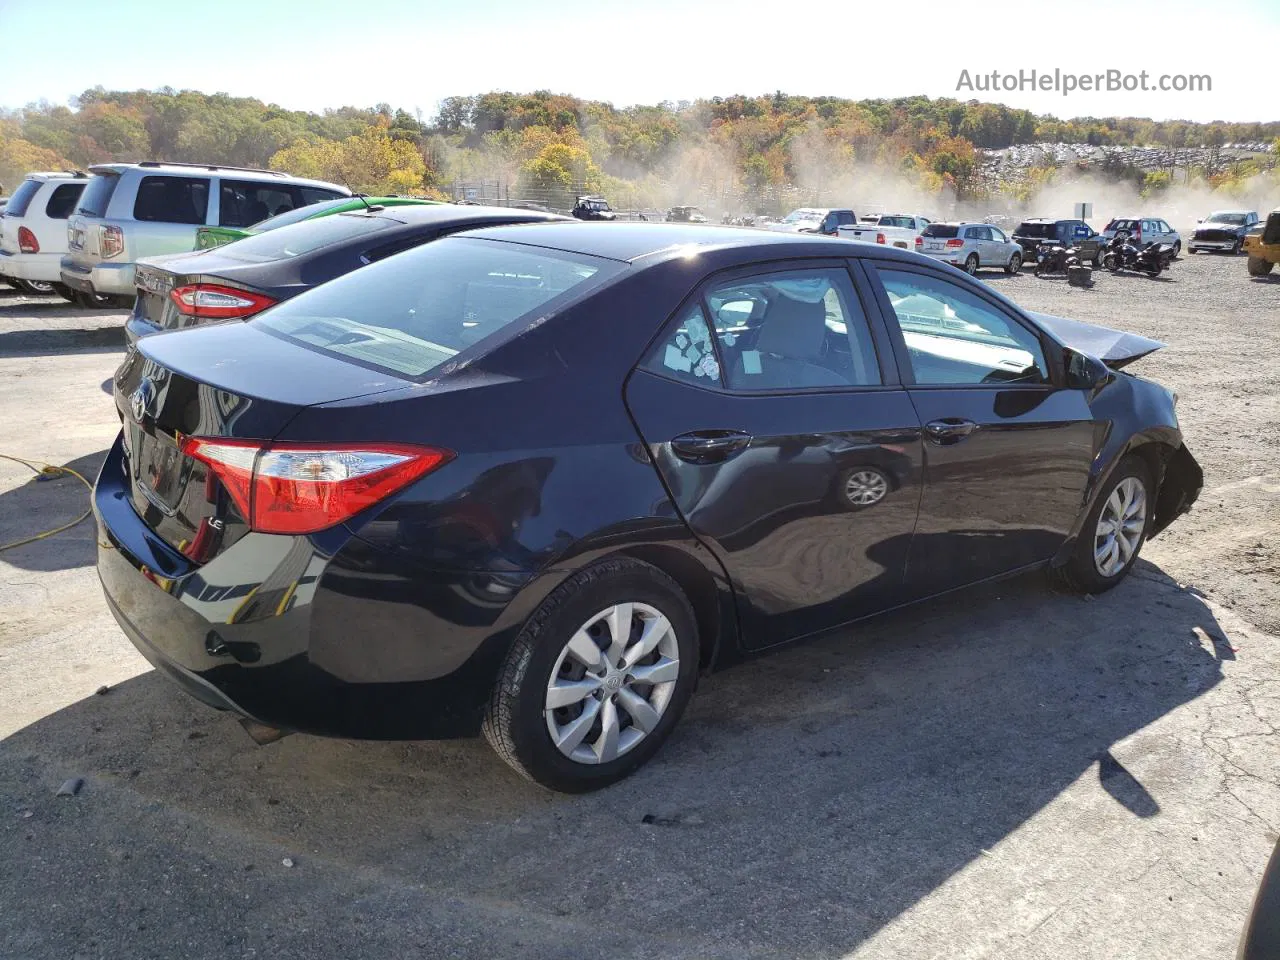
x: 1115, y: 348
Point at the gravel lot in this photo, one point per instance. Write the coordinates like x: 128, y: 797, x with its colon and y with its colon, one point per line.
x: 1011, y: 774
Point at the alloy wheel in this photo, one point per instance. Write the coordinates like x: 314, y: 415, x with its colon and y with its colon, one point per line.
x: 865, y: 487
x: 1120, y: 527
x: 612, y: 683
x: 971, y: 265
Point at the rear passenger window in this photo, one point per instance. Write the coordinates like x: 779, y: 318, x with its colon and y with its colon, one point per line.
x: 686, y: 353
x: 244, y: 203
x: 794, y: 330
x: 63, y: 201
x: 172, y: 200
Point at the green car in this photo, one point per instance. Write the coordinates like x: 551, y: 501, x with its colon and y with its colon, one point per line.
x: 209, y: 237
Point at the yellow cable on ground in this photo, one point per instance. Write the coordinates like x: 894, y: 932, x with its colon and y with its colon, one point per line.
x: 47, y: 470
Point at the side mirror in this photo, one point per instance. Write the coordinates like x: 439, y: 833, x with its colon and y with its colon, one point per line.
x: 1085, y: 372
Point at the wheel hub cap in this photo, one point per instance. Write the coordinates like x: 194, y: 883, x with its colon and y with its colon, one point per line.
x: 1120, y: 527
x: 612, y: 683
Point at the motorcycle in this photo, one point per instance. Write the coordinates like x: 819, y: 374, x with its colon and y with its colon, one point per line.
x: 1053, y: 258
x: 1123, y: 255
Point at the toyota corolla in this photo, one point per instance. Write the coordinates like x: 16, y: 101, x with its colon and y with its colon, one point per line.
x: 534, y: 480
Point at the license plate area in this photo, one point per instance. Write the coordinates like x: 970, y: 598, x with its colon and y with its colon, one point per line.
x: 159, y: 471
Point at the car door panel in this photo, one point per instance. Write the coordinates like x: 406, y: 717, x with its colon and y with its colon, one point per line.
x: 801, y: 556
x: 1005, y: 463
x: 806, y: 495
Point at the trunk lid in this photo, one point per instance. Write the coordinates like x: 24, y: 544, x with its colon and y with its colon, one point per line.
x: 226, y: 385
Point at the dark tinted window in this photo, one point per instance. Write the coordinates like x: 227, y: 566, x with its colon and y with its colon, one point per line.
x: 409, y: 314
x: 96, y: 196
x: 172, y: 200
x: 941, y: 230
x: 243, y: 203
x: 63, y: 200
x: 21, y: 199
x: 1042, y: 231
x: 954, y: 337
x: 317, y: 194
x: 906, y: 222
x: 845, y: 217
x: 792, y: 330
x: 299, y: 238
x: 300, y: 213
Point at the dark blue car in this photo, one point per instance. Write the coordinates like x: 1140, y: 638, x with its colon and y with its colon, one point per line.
x: 534, y: 479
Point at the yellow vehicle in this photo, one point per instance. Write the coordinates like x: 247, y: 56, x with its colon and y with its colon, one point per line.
x: 1263, y: 246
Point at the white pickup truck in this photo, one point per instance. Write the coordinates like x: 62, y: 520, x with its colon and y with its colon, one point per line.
x: 892, y: 229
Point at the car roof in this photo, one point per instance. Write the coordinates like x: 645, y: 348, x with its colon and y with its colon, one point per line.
x: 658, y: 242
x: 214, y: 170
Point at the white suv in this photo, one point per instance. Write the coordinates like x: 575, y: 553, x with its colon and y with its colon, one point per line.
x: 33, y: 230
x: 134, y: 210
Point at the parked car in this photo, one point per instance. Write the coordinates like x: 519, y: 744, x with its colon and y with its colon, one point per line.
x: 685, y: 215
x: 134, y: 210
x: 821, y: 220
x: 1260, y: 939
x: 1263, y: 245
x: 209, y: 237
x: 1223, y: 230
x: 971, y: 246
x: 33, y: 233
x: 235, y: 281
x: 1144, y: 231
x: 1059, y: 233
x: 891, y: 229
x: 438, y: 495
x: 593, y: 208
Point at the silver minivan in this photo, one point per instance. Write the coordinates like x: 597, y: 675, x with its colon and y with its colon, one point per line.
x: 134, y: 210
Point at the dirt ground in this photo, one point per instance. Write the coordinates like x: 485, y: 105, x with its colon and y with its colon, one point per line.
x: 1009, y: 774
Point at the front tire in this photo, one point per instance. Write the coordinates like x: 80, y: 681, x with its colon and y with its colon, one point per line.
x: 1113, y: 532
x: 597, y: 678
x: 1014, y: 265
x: 1177, y: 248
x: 1259, y: 267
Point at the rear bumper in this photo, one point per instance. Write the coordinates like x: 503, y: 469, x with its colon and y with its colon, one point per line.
x: 98, y: 278
x: 323, y: 634
x: 44, y: 267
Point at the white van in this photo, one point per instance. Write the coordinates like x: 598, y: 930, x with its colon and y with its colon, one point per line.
x: 33, y: 230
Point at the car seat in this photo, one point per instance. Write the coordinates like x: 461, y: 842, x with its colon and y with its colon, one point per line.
x: 788, y: 349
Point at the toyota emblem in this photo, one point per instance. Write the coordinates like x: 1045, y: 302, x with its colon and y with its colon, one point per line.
x: 141, y: 399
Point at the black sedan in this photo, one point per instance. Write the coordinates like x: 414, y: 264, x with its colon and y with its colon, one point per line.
x: 533, y: 480
x: 238, y: 280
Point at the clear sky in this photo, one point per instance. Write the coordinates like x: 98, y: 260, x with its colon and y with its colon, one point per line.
x: 312, y: 54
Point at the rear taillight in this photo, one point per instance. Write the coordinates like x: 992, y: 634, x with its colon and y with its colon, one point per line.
x: 304, y: 487
x: 112, y: 244
x: 27, y: 241
x: 215, y: 302
x: 879, y: 238
x: 919, y: 241
x: 955, y: 243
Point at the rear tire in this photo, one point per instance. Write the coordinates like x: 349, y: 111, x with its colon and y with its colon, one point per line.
x: 1259, y: 267
x: 1084, y: 572
x: 971, y: 265
x: 519, y: 719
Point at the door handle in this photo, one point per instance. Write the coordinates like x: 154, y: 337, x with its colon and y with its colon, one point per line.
x: 710, y: 446
x: 949, y: 430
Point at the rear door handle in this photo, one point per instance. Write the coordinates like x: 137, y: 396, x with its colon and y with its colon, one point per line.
x: 949, y: 430
x: 710, y: 446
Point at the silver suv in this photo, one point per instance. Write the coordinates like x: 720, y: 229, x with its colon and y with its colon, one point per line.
x: 134, y: 210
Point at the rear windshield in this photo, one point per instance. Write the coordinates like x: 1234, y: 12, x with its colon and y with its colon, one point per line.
x: 96, y: 196
x: 296, y: 239
x: 21, y: 199
x: 907, y: 222
x: 1036, y: 229
x: 410, y: 313
x: 947, y: 230
x: 300, y: 213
